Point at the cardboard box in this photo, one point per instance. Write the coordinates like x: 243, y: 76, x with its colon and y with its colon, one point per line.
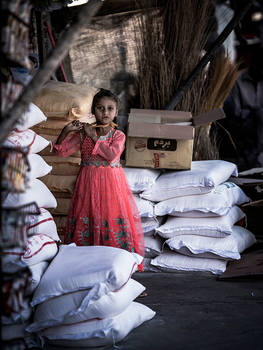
x: 163, y: 139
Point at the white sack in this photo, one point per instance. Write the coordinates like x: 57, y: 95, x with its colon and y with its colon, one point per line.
x: 219, y: 226
x: 43, y: 223
x: 149, y: 225
x: 73, y: 308
x: 13, y: 331
x: 171, y: 261
x: 11, y: 260
x: 202, y: 178
x: 148, y: 267
x: 27, y: 138
x: 39, y: 248
x: 99, y: 332
x: 140, y: 179
x: 38, y: 192
x: 153, y: 246
x: 217, y: 202
x: 228, y: 247
x: 37, y: 272
x: 145, y: 207
x: 98, y: 268
x: 38, y: 166
x: 32, y: 116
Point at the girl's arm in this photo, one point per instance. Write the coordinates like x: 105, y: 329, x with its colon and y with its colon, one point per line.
x: 110, y: 148
x: 68, y: 141
x: 75, y: 125
x: 64, y: 133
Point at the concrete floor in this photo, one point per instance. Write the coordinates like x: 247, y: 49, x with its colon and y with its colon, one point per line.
x: 196, y: 311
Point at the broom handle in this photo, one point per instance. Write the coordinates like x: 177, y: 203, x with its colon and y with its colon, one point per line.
x: 205, y: 59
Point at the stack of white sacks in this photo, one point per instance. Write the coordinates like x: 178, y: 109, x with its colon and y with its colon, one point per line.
x: 201, y: 217
x: 86, y: 297
x: 41, y: 233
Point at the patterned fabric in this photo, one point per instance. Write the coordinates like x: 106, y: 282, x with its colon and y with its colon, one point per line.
x: 98, y: 161
x: 102, y: 210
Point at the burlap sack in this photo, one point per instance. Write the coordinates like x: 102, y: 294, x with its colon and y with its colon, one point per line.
x: 61, y: 234
x: 62, y: 206
x: 66, y: 101
x: 51, y: 127
x: 59, y: 183
x: 48, y: 152
x: 60, y: 221
x: 63, y: 166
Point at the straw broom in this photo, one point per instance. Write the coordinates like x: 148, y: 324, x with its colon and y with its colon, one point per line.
x: 220, y: 81
x: 169, y: 46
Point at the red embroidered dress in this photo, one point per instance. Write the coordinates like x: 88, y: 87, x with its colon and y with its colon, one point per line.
x: 102, y: 210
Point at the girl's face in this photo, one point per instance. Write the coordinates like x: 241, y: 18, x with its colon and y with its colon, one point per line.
x: 105, y: 110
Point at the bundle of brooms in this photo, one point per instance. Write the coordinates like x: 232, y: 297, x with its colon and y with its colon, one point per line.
x: 171, y: 42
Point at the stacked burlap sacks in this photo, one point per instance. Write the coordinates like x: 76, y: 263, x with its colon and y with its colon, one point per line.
x: 61, y: 102
x: 86, y: 297
x: 202, y: 216
x: 40, y: 230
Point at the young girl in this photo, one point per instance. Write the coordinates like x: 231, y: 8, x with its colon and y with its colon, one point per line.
x: 102, y: 210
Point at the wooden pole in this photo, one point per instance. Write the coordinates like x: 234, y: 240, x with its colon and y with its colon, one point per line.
x: 205, y: 59
x: 51, y: 38
x: 8, y: 121
x: 40, y: 43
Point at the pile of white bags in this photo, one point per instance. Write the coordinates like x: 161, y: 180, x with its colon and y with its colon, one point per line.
x: 41, y: 229
x: 29, y: 260
x: 196, y: 213
x: 86, y: 297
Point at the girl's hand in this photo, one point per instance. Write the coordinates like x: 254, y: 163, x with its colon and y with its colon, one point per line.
x: 90, y: 132
x: 75, y: 125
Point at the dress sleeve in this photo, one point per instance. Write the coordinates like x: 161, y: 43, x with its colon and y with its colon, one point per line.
x: 68, y: 146
x: 110, y: 148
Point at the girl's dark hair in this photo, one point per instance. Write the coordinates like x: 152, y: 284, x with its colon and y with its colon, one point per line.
x: 99, y: 95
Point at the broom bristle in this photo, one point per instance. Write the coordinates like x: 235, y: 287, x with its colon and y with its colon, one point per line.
x: 169, y: 47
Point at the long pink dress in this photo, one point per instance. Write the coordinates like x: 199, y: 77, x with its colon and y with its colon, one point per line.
x: 102, y: 210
